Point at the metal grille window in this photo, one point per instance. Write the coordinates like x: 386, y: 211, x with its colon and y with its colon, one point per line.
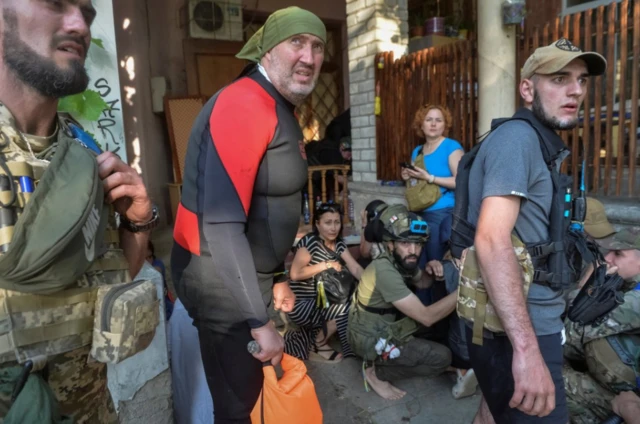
x: 324, y: 103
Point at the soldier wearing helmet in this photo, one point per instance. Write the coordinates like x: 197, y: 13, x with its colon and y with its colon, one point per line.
x: 386, y: 314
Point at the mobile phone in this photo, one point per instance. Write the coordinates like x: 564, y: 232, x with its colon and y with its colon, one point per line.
x: 408, y: 166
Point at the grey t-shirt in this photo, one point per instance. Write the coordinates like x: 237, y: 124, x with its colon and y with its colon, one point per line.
x: 510, y: 163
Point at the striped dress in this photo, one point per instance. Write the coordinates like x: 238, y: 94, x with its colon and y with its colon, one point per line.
x: 305, y: 314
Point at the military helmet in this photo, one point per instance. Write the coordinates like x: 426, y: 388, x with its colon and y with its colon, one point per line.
x: 400, y: 224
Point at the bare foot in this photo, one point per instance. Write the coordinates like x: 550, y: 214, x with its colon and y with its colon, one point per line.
x: 399, y: 391
x: 383, y: 388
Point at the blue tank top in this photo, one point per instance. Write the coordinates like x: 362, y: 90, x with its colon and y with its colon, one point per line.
x: 437, y: 164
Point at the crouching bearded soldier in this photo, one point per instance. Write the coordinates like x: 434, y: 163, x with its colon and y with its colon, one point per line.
x: 63, y: 313
x: 386, y: 314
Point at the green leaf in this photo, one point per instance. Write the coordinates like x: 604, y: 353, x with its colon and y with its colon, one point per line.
x: 94, y: 105
x: 87, y: 105
x: 97, y: 42
x: 72, y: 104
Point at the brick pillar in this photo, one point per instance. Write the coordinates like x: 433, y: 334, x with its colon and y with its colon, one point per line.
x: 373, y: 26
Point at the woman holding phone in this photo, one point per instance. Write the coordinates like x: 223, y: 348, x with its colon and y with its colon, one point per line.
x: 441, y: 156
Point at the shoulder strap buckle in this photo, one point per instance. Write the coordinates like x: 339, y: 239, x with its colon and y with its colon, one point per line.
x: 544, y: 250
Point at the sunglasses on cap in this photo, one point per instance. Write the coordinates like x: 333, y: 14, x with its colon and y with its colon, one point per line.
x: 418, y: 227
x: 329, y: 207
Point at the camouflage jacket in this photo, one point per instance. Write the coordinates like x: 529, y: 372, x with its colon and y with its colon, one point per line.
x: 625, y: 319
x: 78, y: 384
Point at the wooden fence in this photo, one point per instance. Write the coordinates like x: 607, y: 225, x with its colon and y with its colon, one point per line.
x: 445, y: 75
x: 609, y: 136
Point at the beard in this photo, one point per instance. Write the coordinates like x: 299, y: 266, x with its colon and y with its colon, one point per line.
x: 293, y: 91
x: 38, y: 72
x: 550, y: 121
x: 408, y: 266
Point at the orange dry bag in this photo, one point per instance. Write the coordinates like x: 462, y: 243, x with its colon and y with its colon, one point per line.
x: 292, y: 399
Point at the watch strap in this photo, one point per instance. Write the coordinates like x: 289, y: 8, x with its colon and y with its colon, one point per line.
x: 146, y: 226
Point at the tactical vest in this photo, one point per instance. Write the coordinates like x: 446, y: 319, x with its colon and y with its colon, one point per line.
x: 367, y: 325
x: 558, y: 261
x: 473, y: 302
x: 64, y: 281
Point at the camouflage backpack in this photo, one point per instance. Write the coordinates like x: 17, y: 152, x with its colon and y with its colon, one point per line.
x: 473, y: 302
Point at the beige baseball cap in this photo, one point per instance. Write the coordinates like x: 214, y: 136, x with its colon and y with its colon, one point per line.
x: 596, y: 223
x: 552, y: 58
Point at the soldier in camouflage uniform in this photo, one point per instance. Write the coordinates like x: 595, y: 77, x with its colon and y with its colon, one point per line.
x: 610, y: 350
x: 44, y: 47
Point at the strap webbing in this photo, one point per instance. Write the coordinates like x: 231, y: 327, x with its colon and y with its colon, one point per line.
x: 6, y: 234
x: 377, y: 311
x: 32, y: 302
x: 111, y: 236
x: 19, y: 169
x: 479, y: 315
x: 5, y: 198
x: 28, y: 336
x: 110, y: 264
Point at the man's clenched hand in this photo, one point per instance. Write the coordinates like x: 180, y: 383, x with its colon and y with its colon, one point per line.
x: 124, y: 188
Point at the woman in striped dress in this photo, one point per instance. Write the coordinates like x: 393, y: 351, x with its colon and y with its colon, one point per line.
x: 316, y: 252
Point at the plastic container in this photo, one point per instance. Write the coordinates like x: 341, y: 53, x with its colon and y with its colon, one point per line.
x: 434, y: 26
x: 306, y: 212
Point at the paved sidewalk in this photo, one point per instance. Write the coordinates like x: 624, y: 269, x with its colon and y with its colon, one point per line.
x: 341, y: 391
x: 428, y: 400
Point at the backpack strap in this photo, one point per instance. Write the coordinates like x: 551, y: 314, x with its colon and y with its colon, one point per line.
x: 546, y: 154
x: 415, y: 153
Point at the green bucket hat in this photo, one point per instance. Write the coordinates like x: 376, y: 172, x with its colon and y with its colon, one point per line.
x: 280, y: 25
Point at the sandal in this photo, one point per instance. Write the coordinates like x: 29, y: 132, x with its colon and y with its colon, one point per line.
x: 466, y: 384
x: 315, y: 355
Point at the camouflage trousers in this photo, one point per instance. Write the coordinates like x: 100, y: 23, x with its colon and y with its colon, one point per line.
x: 588, y: 401
x: 79, y: 385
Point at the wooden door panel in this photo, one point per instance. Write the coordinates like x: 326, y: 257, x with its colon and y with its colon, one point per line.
x: 216, y: 71
x: 210, y: 65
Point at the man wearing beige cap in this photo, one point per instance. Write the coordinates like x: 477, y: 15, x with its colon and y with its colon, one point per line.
x: 511, y: 191
x: 595, y: 223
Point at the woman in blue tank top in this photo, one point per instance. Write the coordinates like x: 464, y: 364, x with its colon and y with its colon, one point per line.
x: 441, y: 157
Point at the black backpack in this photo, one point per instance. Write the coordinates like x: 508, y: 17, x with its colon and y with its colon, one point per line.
x: 557, y: 261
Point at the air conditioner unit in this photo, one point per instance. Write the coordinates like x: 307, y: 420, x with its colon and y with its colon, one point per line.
x: 218, y: 20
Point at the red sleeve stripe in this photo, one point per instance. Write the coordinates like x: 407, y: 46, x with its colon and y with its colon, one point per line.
x: 243, y: 122
x: 186, y: 231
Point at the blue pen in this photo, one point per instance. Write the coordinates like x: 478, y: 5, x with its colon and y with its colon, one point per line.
x: 26, y: 184
x: 85, y: 139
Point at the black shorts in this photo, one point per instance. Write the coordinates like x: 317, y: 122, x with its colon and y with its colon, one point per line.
x: 492, y: 366
x: 234, y: 376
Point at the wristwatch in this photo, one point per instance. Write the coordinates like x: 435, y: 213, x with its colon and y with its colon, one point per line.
x: 132, y: 227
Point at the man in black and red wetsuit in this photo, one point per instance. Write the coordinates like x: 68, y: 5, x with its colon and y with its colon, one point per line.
x: 244, y: 171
